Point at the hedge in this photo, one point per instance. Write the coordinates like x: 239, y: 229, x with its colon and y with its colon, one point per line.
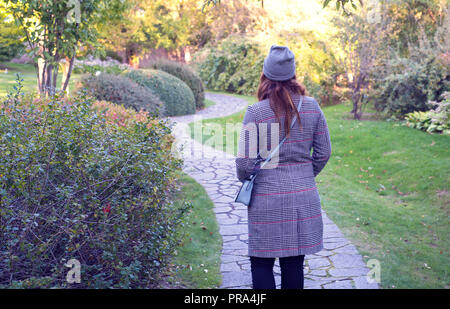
x: 173, y: 92
x: 186, y: 74
x: 122, y: 90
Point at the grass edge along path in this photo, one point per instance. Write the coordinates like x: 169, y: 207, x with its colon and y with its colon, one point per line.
x: 198, y: 258
x: 386, y: 187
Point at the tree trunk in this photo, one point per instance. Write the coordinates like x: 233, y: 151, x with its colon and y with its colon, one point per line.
x: 67, y: 73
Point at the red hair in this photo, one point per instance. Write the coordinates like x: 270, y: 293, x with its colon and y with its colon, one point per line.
x: 279, y: 95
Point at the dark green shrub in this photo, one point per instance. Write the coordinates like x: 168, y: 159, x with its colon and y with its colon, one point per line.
x: 186, y: 74
x: 404, y: 84
x: 234, y: 66
x: 411, y: 85
x: 173, y: 92
x: 122, y: 90
x: 76, y: 186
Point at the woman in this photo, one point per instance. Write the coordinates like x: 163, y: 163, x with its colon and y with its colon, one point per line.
x: 284, y: 217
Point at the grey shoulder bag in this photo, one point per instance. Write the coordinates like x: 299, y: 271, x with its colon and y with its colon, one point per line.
x: 244, y: 195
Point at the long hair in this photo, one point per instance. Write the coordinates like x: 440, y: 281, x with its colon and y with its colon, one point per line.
x: 279, y: 95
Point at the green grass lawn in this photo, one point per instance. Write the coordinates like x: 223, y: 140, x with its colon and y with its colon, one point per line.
x: 197, y: 263
x: 28, y: 74
x: 386, y: 187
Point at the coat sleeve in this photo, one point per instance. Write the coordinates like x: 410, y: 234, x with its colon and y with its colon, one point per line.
x: 247, y: 157
x: 321, y: 145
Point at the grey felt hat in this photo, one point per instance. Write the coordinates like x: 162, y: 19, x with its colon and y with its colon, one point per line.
x: 279, y: 64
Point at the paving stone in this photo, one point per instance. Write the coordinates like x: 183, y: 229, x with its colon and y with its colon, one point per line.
x: 235, y: 244
x: 233, y: 229
x: 230, y: 267
x: 362, y: 283
x: 318, y: 272
x: 348, y: 272
x: 224, y: 218
x: 347, y: 260
x: 318, y: 263
x: 339, y: 285
x: 334, y: 245
x: 348, y: 249
x: 235, y: 279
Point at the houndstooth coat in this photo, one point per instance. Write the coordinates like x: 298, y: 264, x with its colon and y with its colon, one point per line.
x: 284, y: 217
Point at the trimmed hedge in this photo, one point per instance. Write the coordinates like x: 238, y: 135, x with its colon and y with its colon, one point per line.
x: 186, y: 74
x: 122, y: 90
x: 173, y: 92
x: 75, y: 185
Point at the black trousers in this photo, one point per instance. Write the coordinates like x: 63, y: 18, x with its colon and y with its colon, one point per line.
x: 291, y: 272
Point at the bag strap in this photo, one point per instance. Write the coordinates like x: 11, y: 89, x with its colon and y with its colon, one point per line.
x: 279, y: 145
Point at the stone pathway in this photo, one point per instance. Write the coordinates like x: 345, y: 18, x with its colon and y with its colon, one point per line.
x: 337, y: 266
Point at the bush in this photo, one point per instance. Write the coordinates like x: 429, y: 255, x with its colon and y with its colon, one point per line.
x: 75, y: 186
x: 120, y: 115
x: 234, y: 66
x: 404, y: 85
x: 173, y: 92
x: 186, y: 74
x: 123, y: 91
x: 11, y: 44
x: 433, y: 121
x: 411, y: 85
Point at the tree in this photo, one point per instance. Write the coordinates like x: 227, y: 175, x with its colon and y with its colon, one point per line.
x: 361, y: 39
x: 149, y: 24
x: 54, y: 30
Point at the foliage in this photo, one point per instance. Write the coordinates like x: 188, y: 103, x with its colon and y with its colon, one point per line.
x: 340, y: 4
x: 361, y: 39
x: 73, y: 185
x: 119, y: 115
x: 404, y: 85
x: 186, y: 74
x: 235, y: 65
x: 10, y: 43
x: 110, y: 54
x: 121, y: 90
x: 407, y: 20
x: 92, y: 65
x: 173, y: 92
x: 432, y: 121
x: 95, y: 68
x: 232, y: 17
x: 55, y: 29
x: 415, y: 67
x: 149, y: 24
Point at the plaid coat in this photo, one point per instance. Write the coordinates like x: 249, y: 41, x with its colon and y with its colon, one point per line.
x: 284, y: 218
